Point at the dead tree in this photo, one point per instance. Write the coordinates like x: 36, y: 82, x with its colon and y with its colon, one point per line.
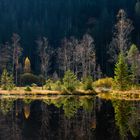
x: 121, y: 39
x: 44, y: 54
x: 17, y: 52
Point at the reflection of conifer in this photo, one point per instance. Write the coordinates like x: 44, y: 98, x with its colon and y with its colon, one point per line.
x: 27, y: 111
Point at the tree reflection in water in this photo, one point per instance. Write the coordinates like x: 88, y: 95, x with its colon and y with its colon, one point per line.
x: 68, y: 118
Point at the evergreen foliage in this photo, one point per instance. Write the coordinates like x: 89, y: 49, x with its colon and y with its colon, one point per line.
x: 28, y: 88
x: 70, y: 81
x: 7, y: 82
x: 121, y: 73
x: 133, y: 56
x: 88, y: 83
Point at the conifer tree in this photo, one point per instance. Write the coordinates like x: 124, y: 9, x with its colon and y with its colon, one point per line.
x: 133, y: 58
x: 121, y: 73
x: 70, y: 81
x: 7, y: 81
x: 27, y: 65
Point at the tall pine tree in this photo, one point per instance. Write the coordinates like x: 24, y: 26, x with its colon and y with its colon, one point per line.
x: 121, y: 73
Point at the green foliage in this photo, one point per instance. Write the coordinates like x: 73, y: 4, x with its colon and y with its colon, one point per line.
x: 87, y: 103
x: 58, y: 85
x: 133, y: 56
x: 6, y: 105
x: 7, y: 82
x: 122, y: 113
x: 70, y: 106
x: 87, y: 83
x: 104, y: 82
x: 121, y: 77
x: 70, y: 81
x: 28, y: 88
x: 48, y: 85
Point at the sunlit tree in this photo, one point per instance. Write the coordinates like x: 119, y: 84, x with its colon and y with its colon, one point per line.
x: 133, y: 58
x: 70, y: 81
x: 7, y: 81
x: 121, y: 38
x: 121, y: 73
x: 27, y: 65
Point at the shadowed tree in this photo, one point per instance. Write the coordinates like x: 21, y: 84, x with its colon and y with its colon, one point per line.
x: 44, y: 54
x: 17, y: 52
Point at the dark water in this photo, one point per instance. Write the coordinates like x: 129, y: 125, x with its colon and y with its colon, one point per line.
x: 68, y: 118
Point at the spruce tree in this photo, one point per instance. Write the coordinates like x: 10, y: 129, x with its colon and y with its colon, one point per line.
x: 121, y: 73
x: 133, y: 58
x: 7, y: 82
x: 70, y: 81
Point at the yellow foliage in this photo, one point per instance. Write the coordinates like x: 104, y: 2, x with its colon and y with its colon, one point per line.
x: 104, y: 82
x: 27, y: 65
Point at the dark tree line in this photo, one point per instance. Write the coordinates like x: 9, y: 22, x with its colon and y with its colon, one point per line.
x: 59, y: 19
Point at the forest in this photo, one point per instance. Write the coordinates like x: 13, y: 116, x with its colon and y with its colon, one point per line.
x: 89, y: 39
x: 69, y: 69
x: 56, y: 20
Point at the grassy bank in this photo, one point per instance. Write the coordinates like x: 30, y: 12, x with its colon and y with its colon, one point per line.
x: 40, y: 91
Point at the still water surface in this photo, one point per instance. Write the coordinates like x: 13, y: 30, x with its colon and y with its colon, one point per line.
x: 68, y: 118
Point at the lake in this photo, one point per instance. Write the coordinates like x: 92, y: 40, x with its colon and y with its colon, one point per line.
x: 68, y: 118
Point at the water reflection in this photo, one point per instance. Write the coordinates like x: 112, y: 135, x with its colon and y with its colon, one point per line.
x: 68, y: 118
x: 127, y: 116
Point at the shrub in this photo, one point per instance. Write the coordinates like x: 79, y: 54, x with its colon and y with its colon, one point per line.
x: 87, y: 83
x: 104, y: 82
x: 28, y: 79
x: 28, y: 88
x: 58, y: 86
x: 70, y: 81
x: 48, y: 85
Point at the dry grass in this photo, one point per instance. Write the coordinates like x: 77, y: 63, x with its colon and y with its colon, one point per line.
x: 40, y: 91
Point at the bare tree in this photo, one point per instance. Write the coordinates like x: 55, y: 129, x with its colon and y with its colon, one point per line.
x: 121, y: 39
x: 87, y: 53
x: 17, y: 52
x: 78, y: 56
x: 44, y: 53
x: 5, y: 56
x: 65, y: 55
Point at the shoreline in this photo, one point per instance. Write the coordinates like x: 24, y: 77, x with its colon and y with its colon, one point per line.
x: 38, y: 91
x: 121, y: 95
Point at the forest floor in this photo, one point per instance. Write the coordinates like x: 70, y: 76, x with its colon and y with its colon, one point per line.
x: 40, y: 91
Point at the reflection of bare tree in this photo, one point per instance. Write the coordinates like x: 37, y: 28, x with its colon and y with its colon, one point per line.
x: 78, y: 127
x: 44, y: 130
x: 42, y: 120
x: 9, y: 128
